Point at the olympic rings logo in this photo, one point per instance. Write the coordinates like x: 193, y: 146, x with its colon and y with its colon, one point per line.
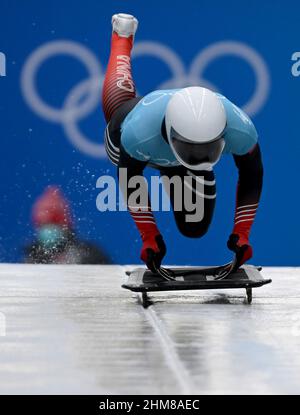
x: 84, y: 97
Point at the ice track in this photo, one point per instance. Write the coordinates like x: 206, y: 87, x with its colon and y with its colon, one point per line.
x: 72, y: 329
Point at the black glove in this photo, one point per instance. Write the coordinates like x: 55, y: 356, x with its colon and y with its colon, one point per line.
x: 153, y: 251
x: 241, y: 247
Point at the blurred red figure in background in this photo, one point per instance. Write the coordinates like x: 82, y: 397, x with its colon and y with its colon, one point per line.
x: 56, y: 241
x: 52, y: 208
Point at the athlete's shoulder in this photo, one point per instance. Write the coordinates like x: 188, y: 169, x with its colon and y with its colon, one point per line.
x: 240, y: 133
x: 141, y: 129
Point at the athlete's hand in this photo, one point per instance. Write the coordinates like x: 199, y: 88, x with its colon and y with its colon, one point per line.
x: 241, y: 247
x: 153, y: 251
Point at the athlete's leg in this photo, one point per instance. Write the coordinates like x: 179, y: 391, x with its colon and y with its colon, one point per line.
x: 203, y: 196
x: 118, y: 85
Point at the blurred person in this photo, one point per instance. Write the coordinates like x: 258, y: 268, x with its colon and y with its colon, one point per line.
x: 180, y: 132
x: 56, y: 240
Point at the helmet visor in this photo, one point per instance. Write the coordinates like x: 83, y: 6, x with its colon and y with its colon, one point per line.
x: 193, y: 154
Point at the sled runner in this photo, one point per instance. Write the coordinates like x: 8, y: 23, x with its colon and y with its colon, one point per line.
x: 194, y: 278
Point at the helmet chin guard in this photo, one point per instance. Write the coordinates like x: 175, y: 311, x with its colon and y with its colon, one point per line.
x: 196, y: 155
x: 195, y: 123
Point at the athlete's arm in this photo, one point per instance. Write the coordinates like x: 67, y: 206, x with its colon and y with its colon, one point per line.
x: 250, y: 171
x: 153, y: 249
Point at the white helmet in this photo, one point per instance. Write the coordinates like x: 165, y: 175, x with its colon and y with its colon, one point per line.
x: 195, y: 122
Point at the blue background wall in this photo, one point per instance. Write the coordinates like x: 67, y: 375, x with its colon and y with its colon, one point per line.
x: 36, y: 152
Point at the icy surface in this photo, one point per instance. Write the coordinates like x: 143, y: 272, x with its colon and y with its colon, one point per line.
x: 72, y: 329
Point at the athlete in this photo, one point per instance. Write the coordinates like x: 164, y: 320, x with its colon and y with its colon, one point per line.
x: 180, y: 132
